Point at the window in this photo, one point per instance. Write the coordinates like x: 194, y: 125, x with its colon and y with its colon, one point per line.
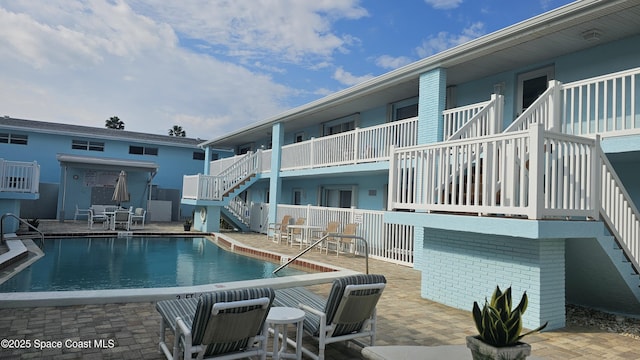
x: 298, y: 137
x: 243, y: 149
x: 338, y: 196
x: 404, y: 109
x: 198, y: 155
x: 7, y: 138
x: 340, y: 125
x: 143, y: 150
x: 87, y: 145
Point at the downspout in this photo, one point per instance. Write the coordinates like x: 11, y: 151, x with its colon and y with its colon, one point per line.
x: 64, y: 195
x: 153, y: 174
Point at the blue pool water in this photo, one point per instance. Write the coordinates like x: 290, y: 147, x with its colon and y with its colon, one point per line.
x: 109, y: 263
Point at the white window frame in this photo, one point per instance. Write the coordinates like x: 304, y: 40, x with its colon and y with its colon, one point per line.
x: 395, y: 106
x: 343, y: 122
x: 548, y: 71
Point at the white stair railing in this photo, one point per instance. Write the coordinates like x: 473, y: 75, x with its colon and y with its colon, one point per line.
x: 618, y: 211
x: 486, y: 121
x: 545, y: 110
x: 456, y: 118
x: 216, y: 187
x: 240, y: 210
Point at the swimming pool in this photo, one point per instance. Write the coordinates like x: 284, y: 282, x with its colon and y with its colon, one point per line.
x: 137, y: 262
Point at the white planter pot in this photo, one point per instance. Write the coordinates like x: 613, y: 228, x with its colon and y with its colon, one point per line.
x: 483, y: 351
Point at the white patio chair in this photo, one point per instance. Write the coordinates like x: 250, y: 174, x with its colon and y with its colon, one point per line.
x: 122, y: 219
x: 80, y: 212
x: 95, y: 217
x: 139, y: 217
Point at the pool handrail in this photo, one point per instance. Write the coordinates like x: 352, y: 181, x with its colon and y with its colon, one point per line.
x: 355, y: 237
x: 22, y: 221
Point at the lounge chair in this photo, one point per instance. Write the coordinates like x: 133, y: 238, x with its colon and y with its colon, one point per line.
x: 349, y: 313
x: 219, y: 325
x: 278, y: 231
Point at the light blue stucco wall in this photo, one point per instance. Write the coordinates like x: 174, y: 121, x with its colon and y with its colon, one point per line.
x: 462, y: 267
x: 599, y: 60
x: 173, y: 162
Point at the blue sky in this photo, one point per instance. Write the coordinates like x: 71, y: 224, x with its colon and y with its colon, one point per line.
x: 216, y: 66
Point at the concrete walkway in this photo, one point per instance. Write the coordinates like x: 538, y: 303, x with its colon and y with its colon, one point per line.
x: 130, y: 331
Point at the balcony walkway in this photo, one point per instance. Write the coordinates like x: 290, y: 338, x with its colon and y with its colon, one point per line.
x: 404, y: 318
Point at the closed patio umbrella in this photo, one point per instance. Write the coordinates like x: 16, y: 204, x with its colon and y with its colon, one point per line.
x: 120, y: 194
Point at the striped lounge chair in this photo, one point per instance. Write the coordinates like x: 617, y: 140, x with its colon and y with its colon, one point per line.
x: 219, y: 325
x: 347, y: 314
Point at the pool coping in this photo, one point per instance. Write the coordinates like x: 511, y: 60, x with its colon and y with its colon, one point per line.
x: 86, y: 297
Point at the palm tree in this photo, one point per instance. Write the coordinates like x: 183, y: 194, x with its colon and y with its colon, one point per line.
x: 114, y: 122
x: 177, y: 130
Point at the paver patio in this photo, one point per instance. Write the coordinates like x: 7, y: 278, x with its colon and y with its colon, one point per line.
x: 404, y: 318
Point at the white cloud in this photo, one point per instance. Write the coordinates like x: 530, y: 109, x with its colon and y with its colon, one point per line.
x: 444, y: 4
x: 444, y: 40
x: 81, y: 62
x: 346, y: 78
x: 390, y: 62
x: 291, y: 28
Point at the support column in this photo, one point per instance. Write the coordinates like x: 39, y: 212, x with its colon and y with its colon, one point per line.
x: 431, y: 103
x: 275, y: 183
x: 207, y: 160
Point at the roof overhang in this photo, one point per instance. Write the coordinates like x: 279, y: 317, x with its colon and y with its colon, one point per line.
x: 536, y: 40
x: 107, y: 163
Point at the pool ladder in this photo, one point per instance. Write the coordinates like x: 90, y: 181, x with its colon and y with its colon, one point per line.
x: 41, y: 245
x: 355, y: 237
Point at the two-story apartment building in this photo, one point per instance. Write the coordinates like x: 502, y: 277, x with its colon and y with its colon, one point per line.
x: 509, y: 160
x: 49, y: 168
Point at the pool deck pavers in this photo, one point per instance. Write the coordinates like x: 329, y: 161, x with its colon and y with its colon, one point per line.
x: 130, y: 330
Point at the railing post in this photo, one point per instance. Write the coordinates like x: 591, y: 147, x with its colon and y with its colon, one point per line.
x: 554, y: 105
x: 356, y: 142
x: 498, y: 114
x: 536, y: 171
x: 596, y: 179
x: 391, y: 190
x: 311, y: 155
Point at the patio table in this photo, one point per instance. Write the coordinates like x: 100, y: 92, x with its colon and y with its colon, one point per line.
x: 305, y: 234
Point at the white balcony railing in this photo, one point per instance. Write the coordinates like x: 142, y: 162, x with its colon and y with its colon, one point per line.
x: 534, y: 173
x: 606, y: 104
x: 16, y: 176
x: 388, y: 242
x: 351, y: 147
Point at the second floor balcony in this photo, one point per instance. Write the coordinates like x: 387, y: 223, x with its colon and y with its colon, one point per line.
x: 19, y: 177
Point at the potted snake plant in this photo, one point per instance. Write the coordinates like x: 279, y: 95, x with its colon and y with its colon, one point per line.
x: 499, y: 327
